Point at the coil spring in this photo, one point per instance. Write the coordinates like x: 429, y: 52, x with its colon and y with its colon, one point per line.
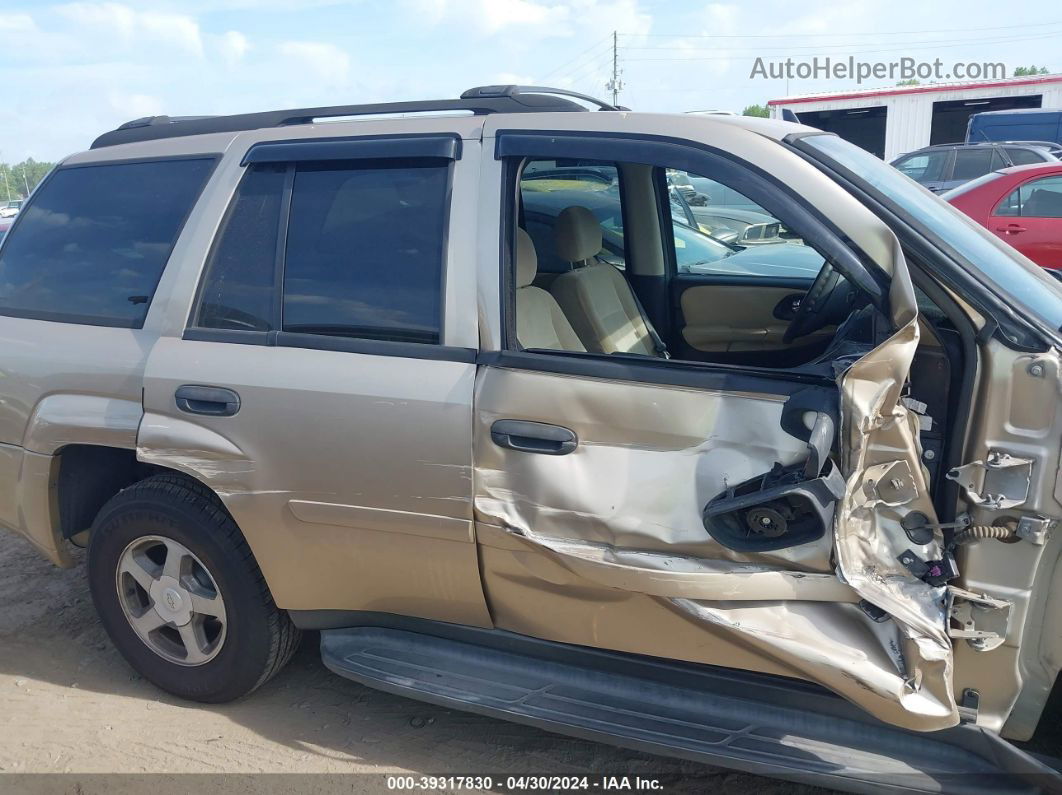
x: 979, y: 531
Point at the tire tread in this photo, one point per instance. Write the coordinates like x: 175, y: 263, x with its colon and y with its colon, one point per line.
x: 183, y: 490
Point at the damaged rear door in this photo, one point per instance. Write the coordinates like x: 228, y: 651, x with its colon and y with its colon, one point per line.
x: 734, y: 516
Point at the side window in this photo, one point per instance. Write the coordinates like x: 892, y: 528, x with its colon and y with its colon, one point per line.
x: 91, y: 245
x: 365, y: 251
x: 737, y: 225
x: 998, y: 161
x: 1023, y: 157
x: 593, y: 273
x: 924, y: 166
x: 1010, y: 205
x: 972, y: 163
x: 1041, y: 198
x: 362, y: 255
x: 238, y: 289
x: 549, y: 187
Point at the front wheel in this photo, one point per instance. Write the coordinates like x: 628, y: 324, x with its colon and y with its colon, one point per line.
x: 179, y: 592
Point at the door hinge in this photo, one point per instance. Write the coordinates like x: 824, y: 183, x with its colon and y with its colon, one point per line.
x: 978, y: 619
x: 998, y: 482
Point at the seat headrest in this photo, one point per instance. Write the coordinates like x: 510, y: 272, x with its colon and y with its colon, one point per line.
x: 526, y: 259
x: 578, y: 234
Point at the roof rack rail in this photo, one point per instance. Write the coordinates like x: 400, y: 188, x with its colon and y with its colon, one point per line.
x: 479, y: 101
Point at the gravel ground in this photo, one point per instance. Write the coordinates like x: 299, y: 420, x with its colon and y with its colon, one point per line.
x: 74, y: 718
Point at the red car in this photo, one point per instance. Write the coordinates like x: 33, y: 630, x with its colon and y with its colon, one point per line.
x: 1023, y: 205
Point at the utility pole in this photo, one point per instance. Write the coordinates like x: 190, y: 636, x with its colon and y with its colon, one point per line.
x: 614, y: 85
x: 24, y: 180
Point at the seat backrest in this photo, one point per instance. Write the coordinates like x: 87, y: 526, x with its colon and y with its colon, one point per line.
x: 594, y: 295
x: 540, y: 323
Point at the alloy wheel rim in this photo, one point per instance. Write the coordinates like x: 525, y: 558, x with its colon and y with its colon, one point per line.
x: 171, y: 600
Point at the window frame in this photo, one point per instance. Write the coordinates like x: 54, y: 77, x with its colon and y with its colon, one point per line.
x: 512, y: 146
x: 214, y: 158
x: 945, y: 171
x: 443, y: 148
x: 967, y: 152
x: 1017, y: 189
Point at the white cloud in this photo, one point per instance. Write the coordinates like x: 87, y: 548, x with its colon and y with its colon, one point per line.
x: 510, y: 78
x: 232, y: 46
x: 325, y: 61
x: 487, y: 17
x: 135, y: 106
x: 498, y: 14
x: 16, y: 23
x: 721, y: 19
x: 129, y: 26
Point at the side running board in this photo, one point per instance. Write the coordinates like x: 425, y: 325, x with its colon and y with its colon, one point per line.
x: 751, y: 722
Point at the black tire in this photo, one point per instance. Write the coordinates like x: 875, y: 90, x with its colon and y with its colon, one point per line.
x: 260, y: 638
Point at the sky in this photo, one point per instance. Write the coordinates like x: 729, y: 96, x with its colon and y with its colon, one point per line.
x: 71, y: 70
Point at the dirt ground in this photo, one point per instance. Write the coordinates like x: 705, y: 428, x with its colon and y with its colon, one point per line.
x: 73, y: 715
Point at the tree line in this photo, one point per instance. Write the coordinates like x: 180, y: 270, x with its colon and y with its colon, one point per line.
x: 18, y: 179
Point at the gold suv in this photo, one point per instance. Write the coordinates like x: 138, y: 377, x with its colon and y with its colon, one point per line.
x: 474, y: 389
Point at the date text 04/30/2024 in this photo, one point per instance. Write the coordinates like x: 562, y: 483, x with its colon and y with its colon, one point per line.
x: 525, y: 783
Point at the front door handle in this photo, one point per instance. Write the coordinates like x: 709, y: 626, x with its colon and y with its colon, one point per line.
x: 533, y: 437
x: 213, y: 401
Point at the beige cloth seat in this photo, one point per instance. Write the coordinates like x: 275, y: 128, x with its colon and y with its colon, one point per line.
x: 540, y: 323
x: 594, y: 295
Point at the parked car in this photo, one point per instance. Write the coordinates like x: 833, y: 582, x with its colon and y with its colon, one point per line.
x: 729, y: 215
x: 696, y: 251
x: 284, y: 376
x: 679, y: 181
x: 1032, y: 124
x: 1021, y: 205
x: 11, y: 208
x: 945, y: 166
x: 5, y: 224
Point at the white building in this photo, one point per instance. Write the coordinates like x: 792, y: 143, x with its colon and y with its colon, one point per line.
x: 891, y: 121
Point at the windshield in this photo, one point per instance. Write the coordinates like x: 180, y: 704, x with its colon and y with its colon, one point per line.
x: 1002, y: 267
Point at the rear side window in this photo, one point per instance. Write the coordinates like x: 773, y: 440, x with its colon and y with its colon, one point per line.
x: 971, y: 163
x: 91, y: 245
x: 357, y: 252
x: 238, y: 291
x: 1040, y: 198
x: 365, y: 251
x: 924, y: 166
x: 1023, y: 157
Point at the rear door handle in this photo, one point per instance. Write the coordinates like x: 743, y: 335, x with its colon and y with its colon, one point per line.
x: 533, y: 437
x: 1010, y: 229
x: 213, y: 401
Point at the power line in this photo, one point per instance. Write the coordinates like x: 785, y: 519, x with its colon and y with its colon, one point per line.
x: 851, y: 45
x: 579, y: 57
x: 905, y: 48
x: 591, y: 68
x: 805, y: 35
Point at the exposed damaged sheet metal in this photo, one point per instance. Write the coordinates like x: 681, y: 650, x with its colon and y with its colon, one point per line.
x: 621, y: 514
x: 886, y: 480
x: 658, y: 574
